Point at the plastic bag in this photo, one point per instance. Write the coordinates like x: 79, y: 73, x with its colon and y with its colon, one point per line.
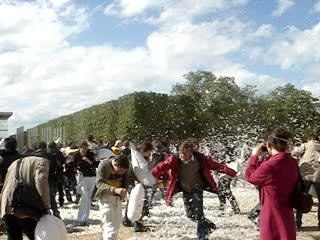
x: 50, y: 228
x: 140, y: 168
x: 135, y: 205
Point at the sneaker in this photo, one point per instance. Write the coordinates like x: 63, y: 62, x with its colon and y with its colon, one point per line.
x: 77, y: 200
x: 127, y: 223
x: 236, y: 211
x: 138, y: 227
x: 211, y: 225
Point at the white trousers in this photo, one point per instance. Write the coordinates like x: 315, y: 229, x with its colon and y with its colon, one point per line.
x: 86, y: 187
x: 111, y: 219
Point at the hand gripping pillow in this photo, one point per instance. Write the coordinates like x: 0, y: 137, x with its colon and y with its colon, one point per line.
x: 140, y: 168
x: 135, y: 205
x: 50, y: 228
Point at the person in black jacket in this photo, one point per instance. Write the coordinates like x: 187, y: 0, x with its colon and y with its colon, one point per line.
x: 56, y: 171
x: 70, y: 171
x: 8, y: 155
x: 86, y: 166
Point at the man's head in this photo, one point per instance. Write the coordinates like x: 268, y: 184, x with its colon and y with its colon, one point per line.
x: 157, y: 145
x: 42, y: 146
x: 185, y: 151
x: 118, y: 144
x: 146, y: 149
x: 126, y: 144
x: 10, y: 143
x: 53, y: 146
x: 120, y: 163
x: 84, y: 148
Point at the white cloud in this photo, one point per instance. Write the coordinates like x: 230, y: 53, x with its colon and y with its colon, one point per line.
x: 191, y: 45
x: 38, y: 26
x: 313, y: 87
x: 170, y: 11
x: 264, y: 31
x: 244, y: 76
x: 316, y: 7
x: 282, y: 7
x: 296, y: 48
x: 129, y: 8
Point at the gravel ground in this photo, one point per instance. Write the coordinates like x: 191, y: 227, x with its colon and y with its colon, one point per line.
x: 171, y: 222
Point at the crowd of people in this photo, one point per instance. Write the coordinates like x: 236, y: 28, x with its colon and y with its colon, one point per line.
x: 96, y: 172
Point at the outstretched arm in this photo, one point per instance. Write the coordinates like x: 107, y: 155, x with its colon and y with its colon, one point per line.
x: 163, y: 167
x: 220, y: 167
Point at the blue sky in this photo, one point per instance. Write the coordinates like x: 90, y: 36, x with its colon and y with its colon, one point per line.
x: 59, y: 56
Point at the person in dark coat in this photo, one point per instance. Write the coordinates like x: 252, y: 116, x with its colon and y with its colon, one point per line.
x: 70, y: 171
x: 8, y: 155
x: 56, y: 162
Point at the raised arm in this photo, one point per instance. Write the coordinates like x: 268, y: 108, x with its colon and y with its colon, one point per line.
x: 163, y: 167
x: 258, y: 174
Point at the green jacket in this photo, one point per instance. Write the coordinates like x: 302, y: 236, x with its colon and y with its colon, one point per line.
x: 105, y: 175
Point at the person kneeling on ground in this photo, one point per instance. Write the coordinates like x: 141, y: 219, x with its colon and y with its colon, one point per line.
x: 112, y: 184
x: 190, y: 173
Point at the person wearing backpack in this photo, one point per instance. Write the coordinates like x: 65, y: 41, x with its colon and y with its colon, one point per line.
x: 309, y: 164
x: 276, y: 177
x: 33, y: 172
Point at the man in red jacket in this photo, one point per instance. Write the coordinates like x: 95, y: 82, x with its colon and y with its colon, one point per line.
x: 190, y: 173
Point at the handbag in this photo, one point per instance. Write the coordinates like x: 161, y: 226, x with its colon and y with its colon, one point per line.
x: 26, y: 197
x: 300, y: 199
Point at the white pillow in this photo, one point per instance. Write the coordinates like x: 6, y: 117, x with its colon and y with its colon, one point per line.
x: 50, y: 228
x: 135, y: 205
x: 140, y: 168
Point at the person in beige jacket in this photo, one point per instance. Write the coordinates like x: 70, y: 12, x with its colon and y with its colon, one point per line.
x: 112, y: 185
x: 308, y: 155
x: 34, y: 172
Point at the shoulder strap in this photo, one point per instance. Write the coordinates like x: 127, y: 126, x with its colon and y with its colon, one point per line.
x: 18, y: 169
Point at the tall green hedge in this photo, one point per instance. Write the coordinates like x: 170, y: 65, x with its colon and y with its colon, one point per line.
x: 136, y: 116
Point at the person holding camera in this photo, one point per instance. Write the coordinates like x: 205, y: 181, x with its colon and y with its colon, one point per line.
x: 276, y: 178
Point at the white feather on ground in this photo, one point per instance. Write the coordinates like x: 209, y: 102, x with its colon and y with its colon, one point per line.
x: 171, y: 222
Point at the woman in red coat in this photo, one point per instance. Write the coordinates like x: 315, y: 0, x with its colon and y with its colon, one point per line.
x: 276, y: 178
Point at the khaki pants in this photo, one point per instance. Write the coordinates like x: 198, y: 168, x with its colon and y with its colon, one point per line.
x: 86, y: 185
x: 110, y: 208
